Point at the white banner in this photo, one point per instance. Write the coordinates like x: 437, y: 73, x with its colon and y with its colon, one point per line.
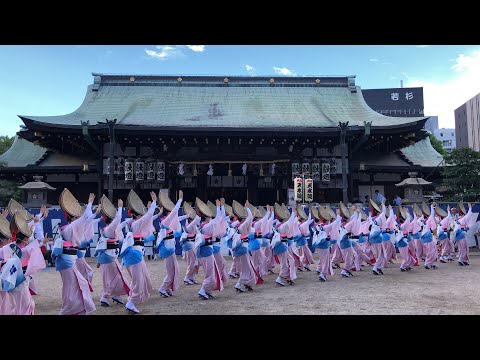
x: 160, y: 171
x: 326, y: 172
x: 298, y: 187
x: 308, y: 196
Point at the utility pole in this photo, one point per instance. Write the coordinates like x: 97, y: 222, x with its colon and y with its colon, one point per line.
x: 111, y: 156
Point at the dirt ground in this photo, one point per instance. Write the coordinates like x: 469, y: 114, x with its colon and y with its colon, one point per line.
x: 451, y: 289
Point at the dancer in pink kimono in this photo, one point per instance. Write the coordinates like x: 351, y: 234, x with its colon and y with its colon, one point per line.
x: 80, y: 263
x: 321, y: 244
x: 363, y: 239
x: 281, y: 247
x: 267, y: 234
x: 170, y: 229
x: 76, y: 297
x: 132, y: 254
x: 240, y: 245
x: 204, y: 250
x: 461, y: 227
x: 420, y: 251
x: 113, y: 279
x: 389, y: 237
x: 429, y: 241
x: 360, y: 256
x: 219, y: 232
x: 302, y: 228
x: 255, y: 247
x: 6, y: 304
x: 188, y: 252
x: 444, y: 236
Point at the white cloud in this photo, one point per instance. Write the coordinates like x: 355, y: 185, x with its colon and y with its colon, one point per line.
x: 373, y: 60
x: 442, y: 97
x: 250, y: 70
x: 283, y: 71
x: 196, y: 48
x: 387, y: 63
x: 422, y: 46
x: 165, y: 52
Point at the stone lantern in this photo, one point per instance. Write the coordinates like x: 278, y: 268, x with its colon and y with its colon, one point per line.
x: 413, y: 188
x: 36, y: 192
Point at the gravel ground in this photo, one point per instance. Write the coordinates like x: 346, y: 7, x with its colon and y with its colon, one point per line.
x: 451, y: 289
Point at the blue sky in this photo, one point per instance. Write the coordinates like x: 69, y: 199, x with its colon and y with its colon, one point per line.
x: 52, y: 80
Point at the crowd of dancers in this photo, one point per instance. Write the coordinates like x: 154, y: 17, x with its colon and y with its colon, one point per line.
x: 275, y: 241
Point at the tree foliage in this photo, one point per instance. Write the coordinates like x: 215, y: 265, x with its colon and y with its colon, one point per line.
x: 437, y: 145
x: 9, y: 189
x: 462, y: 172
x: 5, y: 143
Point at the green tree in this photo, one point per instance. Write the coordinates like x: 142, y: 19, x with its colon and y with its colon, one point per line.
x: 9, y: 189
x: 437, y: 145
x: 462, y: 172
x: 5, y: 143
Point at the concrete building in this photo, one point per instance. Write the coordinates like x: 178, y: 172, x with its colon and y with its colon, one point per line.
x: 432, y: 124
x: 467, y: 124
x: 447, y: 138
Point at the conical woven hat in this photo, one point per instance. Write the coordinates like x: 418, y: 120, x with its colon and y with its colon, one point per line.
x: 344, y: 210
x: 301, y: 212
x: 261, y: 211
x: 332, y: 213
x: 18, y: 224
x: 280, y: 212
x: 203, y: 208
x: 362, y: 213
x: 165, y: 201
x: 108, y: 209
x: 461, y: 207
x: 135, y: 203
x: 400, y: 211
x: 239, y: 210
x: 255, y: 212
x: 188, y: 209
x: 417, y: 210
x: 229, y: 210
x: 314, y: 212
x: 212, y: 207
x: 425, y: 209
x: 14, y: 207
x: 70, y: 204
x: 324, y: 213
x: 5, y: 228
x: 440, y: 212
x: 375, y: 206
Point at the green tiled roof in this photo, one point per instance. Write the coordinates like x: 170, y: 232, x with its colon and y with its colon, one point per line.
x: 22, y: 153
x: 422, y: 153
x: 163, y: 102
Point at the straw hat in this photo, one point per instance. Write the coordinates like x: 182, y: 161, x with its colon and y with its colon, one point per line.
x: 375, y: 206
x: 212, y: 207
x: 440, y: 212
x: 362, y: 213
x: 324, y: 214
x: 108, y: 209
x: 332, y: 213
x: 135, y: 203
x: 301, y: 212
x: 239, y: 210
x: 280, y: 212
x: 70, y: 204
x: 18, y: 224
x: 5, y: 228
x: 417, y: 210
x: 285, y: 208
x: 344, y: 210
x: 203, y: 208
x: 255, y: 212
x: 401, y: 212
x: 165, y: 201
x: 188, y: 209
x: 425, y: 209
x: 14, y: 206
x: 314, y: 212
x: 229, y: 210
x: 461, y: 207
x: 262, y: 211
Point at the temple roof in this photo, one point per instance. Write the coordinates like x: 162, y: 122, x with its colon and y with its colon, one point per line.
x: 22, y: 153
x: 209, y: 101
x: 422, y: 153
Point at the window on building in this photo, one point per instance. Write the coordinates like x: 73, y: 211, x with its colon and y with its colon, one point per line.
x: 441, y: 134
x: 453, y: 134
x: 447, y: 142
